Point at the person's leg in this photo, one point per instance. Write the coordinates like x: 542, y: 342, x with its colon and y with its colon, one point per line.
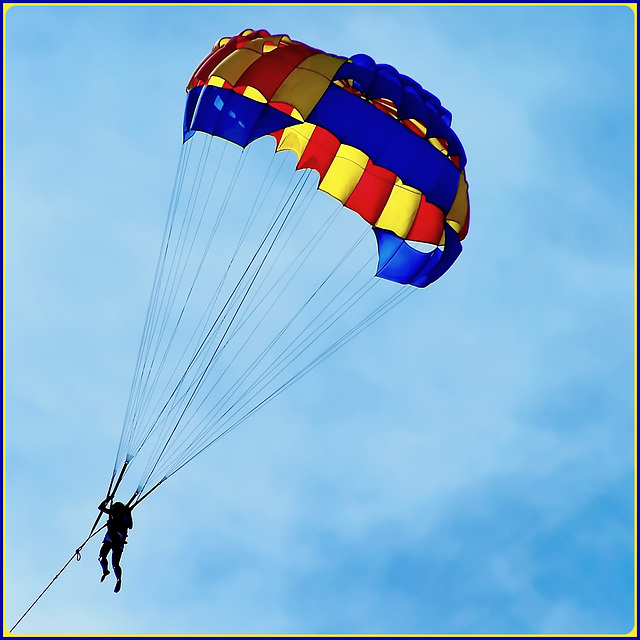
x: 116, y: 554
x: 102, y: 559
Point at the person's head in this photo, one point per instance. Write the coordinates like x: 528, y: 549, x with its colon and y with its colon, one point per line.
x: 118, y: 507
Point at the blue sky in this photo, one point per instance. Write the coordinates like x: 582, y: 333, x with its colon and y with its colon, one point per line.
x: 464, y: 467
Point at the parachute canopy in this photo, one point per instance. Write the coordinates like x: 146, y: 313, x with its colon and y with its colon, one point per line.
x: 382, y: 145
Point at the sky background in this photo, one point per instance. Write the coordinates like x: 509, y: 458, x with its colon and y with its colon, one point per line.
x: 464, y: 467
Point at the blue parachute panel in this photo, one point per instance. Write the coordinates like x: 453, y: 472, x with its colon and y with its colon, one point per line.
x: 229, y: 115
x: 400, y: 262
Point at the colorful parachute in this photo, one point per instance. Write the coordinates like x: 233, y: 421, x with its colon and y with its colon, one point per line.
x: 260, y: 275
x: 381, y: 143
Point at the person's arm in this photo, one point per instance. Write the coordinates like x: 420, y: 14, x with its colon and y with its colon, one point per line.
x: 103, y: 506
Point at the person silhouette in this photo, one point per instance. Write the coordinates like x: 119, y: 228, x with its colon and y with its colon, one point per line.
x: 118, y: 525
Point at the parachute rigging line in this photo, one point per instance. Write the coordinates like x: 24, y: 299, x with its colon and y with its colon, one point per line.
x: 193, y: 389
x: 238, y: 310
x: 288, y: 354
x: 141, y: 390
x: 258, y: 281
x: 177, y: 259
x: 396, y: 299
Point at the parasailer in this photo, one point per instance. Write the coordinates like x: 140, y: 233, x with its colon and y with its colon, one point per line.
x: 118, y: 524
